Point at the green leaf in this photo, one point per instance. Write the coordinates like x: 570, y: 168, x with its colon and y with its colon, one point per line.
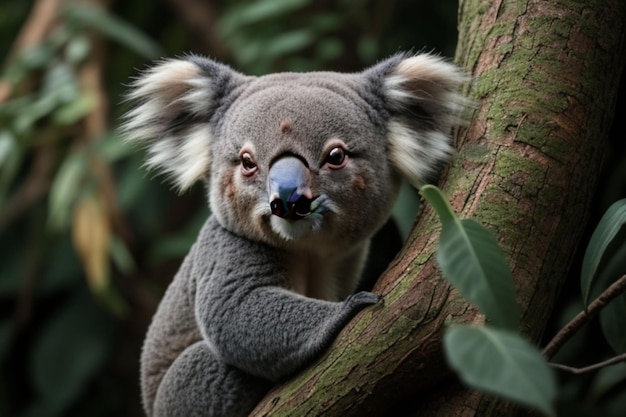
x: 276, y: 46
x: 70, y: 350
x: 43, y: 105
x: 112, y: 147
x: 612, y: 322
x: 613, y: 269
x: 435, y: 198
x: 13, y: 107
x: 254, y: 12
x: 26, y: 61
x: 61, y: 82
x: 608, y: 227
x: 121, y: 256
x: 8, y: 146
x: 405, y: 208
x: 78, y: 48
x: 10, y: 160
x: 114, y: 28
x: 75, y: 110
x: 111, y: 298
x: 612, y: 316
x: 288, y: 42
x: 502, y: 363
x: 35, y: 57
x: 65, y: 189
x: 59, y: 86
x: 470, y: 258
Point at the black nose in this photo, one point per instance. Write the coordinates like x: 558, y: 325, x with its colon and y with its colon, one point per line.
x: 298, y: 209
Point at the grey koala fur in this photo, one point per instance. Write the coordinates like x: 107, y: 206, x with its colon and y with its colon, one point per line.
x: 302, y: 169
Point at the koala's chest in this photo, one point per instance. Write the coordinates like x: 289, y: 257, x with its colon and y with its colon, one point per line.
x: 314, y: 275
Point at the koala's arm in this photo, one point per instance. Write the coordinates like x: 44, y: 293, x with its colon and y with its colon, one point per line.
x: 251, y: 321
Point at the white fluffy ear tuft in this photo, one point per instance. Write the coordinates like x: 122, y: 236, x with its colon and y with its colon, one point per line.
x: 174, y: 103
x: 417, y: 154
x: 424, y: 102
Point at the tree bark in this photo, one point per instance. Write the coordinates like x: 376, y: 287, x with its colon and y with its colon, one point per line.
x: 546, y: 76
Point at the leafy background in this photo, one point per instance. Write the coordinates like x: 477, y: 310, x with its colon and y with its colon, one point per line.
x: 89, y: 241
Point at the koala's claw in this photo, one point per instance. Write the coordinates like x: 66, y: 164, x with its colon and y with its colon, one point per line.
x: 362, y: 298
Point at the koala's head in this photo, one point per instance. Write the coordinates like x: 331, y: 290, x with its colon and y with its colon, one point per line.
x: 298, y: 158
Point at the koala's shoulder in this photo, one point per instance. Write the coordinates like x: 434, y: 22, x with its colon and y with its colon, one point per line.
x: 216, y: 243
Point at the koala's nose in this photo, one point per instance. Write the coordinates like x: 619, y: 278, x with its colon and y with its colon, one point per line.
x: 288, y: 187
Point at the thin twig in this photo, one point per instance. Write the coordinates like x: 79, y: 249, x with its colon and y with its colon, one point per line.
x: 583, y: 317
x: 613, y: 360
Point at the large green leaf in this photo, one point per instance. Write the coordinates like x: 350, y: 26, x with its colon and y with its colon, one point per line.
x: 608, y: 227
x: 470, y: 258
x: 502, y: 363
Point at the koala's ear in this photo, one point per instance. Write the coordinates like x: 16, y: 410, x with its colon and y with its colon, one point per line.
x: 422, y: 98
x: 174, y: 102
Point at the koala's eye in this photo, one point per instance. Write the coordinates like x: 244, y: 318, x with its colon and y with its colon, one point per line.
x: 248, y: 166
x: 336, y: 158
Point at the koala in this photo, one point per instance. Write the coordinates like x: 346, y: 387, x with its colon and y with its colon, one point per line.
x: 301, y: 170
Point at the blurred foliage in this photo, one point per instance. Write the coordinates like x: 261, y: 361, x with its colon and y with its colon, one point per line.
x: 88, y: 241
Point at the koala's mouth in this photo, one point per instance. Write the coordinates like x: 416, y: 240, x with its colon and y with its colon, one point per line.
x: 299, y: 209
x: 300, y: 218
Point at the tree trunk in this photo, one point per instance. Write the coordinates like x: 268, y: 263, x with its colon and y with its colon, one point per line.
x: 546, y: 76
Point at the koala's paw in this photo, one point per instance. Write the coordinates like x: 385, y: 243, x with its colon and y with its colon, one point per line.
x: 362, y: 299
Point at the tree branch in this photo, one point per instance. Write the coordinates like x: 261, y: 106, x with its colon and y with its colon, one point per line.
x: 577, y: 371
x: 543, y: 99
x: 583, y: 317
